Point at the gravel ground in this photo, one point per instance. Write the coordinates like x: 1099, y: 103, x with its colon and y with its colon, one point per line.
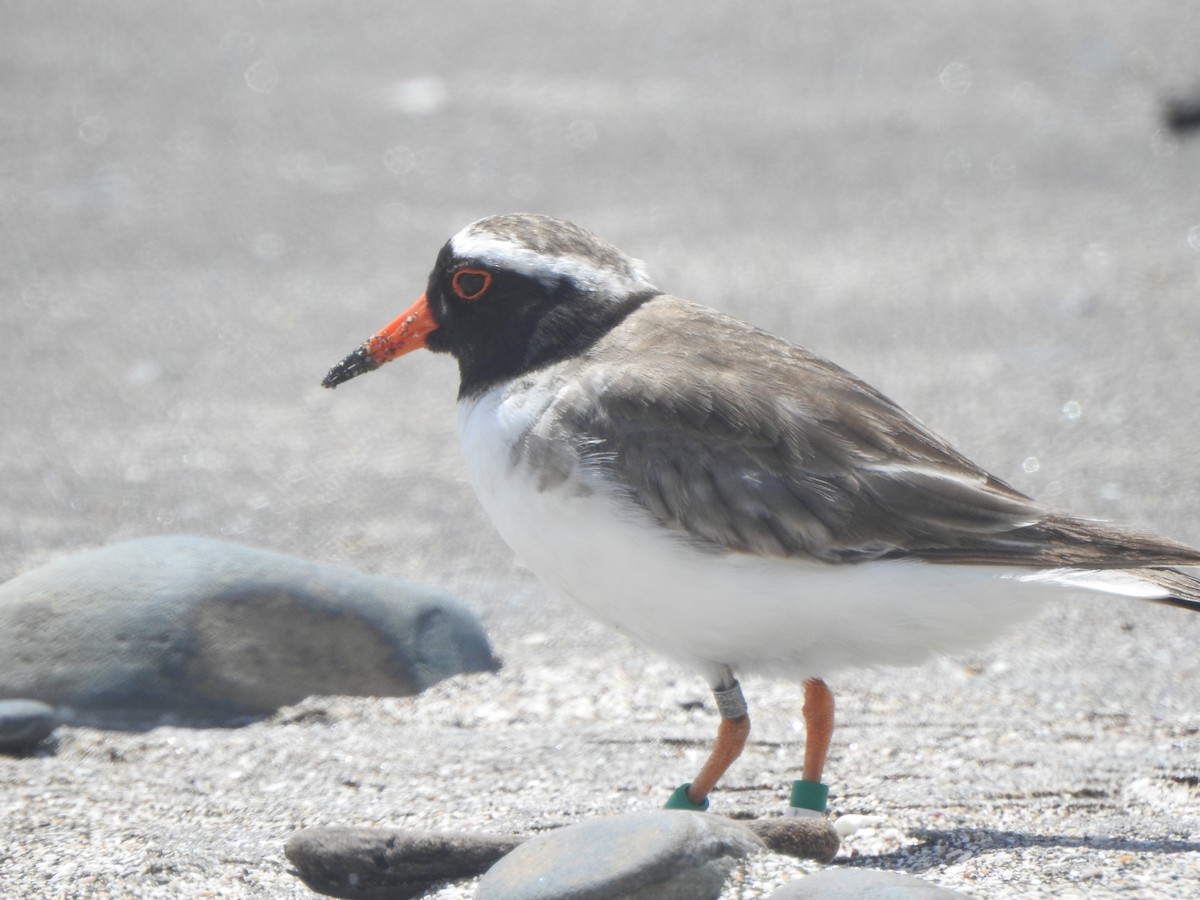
x: 976, y: 209
x: 982, y: 778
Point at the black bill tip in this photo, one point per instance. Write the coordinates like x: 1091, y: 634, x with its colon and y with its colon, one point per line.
x: 356, y: 363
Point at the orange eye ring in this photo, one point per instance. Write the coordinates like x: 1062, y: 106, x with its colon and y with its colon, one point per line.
x: 471, y: 284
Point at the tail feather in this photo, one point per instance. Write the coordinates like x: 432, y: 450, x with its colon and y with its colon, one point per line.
x: 1183, y: 589
x: 1098, y: 557
x: 1169, y: 586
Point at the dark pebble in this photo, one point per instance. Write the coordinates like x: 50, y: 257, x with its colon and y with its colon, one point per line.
x: 801, y: 836
x: 1183, y: 116
x: 376, y: 863
x: 24, y: 724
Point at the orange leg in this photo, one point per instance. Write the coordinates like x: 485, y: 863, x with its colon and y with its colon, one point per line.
x: 731, y: 738
x: 818, y: 727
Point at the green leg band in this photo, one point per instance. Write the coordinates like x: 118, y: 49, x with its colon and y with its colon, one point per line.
x: 810, y: 795
x: 679, y: 800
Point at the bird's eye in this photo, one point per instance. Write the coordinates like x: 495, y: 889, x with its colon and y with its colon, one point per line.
x: 471, y: 284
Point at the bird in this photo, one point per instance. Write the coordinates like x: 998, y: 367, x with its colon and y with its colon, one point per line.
x: 725, y: 497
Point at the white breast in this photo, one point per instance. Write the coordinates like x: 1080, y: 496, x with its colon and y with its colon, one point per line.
x: 707, y: 609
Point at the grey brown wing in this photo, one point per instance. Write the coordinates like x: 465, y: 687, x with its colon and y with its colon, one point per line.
x: 823, y: 467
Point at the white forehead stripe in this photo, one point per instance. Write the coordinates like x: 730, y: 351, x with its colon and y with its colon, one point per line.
x: 499, y: 253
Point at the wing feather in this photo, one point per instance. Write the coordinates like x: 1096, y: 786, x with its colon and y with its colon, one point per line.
x: 781, y: 453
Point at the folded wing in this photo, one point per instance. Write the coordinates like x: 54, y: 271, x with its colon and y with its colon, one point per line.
x: 792, y: 456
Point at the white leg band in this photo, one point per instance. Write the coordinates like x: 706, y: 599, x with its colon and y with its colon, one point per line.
x: 731, y: 702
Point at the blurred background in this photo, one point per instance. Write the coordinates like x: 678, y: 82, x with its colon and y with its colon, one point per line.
x: 979, y: 209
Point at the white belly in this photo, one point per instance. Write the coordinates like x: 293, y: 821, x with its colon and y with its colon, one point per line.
x: 708, y: 609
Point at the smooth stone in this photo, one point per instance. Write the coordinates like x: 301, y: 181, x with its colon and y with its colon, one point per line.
x: 801, y: 837
x: 191, y: 631
x: 862, y: 884
x: 378, y: 863
x: 652, y: 855
x: 24, y: 724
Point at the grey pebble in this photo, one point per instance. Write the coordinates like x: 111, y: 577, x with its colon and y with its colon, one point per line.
x: 862, y: 884
x: 378, y: 863
x: 191, y: 631
x: 652, y: 855
x: 24, y: 724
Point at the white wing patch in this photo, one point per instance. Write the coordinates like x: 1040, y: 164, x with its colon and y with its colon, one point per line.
x: 1108, y: 581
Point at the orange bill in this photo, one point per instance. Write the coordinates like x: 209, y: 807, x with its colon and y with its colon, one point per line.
x: 407, y: 332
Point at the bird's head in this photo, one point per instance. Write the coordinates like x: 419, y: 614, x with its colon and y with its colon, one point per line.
x: 509, y: 294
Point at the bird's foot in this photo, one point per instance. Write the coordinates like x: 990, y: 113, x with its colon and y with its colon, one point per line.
x: 679, y: 800
x: 809, y: 798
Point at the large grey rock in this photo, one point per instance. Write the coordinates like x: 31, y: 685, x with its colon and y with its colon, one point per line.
x: 653, y: 855
x: 201, y: 632
x: 862, y: 884
x: 385, y: 864
x: 24, y: 724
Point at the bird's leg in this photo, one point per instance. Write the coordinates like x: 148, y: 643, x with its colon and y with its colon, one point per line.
x: 818, y: 727
x: 731, y: 738
x: 809, y: 794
